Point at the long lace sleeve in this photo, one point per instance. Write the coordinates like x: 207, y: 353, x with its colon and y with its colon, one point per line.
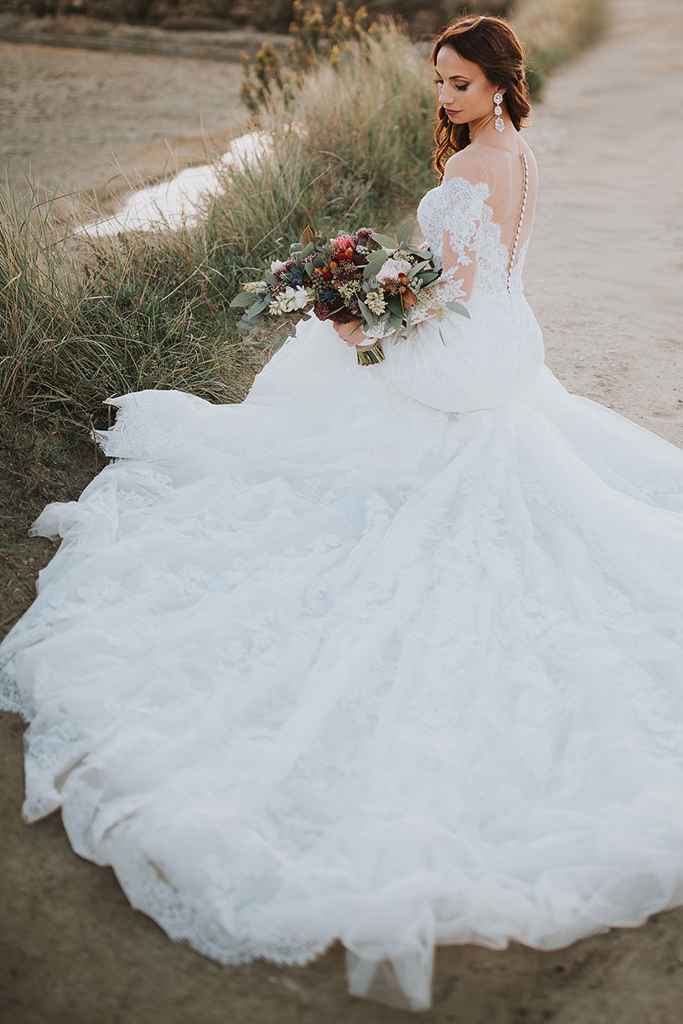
x: 455, y: 217
x: 463, y: 208
x: 450, y: 216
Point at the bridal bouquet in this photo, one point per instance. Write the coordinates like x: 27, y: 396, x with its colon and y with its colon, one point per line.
x: 362, y: 275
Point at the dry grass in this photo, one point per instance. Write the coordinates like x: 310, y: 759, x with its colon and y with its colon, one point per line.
x: 86, y: 320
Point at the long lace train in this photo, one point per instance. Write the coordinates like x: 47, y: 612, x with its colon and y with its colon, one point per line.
x: 335, y: 663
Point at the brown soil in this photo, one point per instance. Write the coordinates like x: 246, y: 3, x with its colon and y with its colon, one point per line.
x: 78, y: 120
x: 603, y: 276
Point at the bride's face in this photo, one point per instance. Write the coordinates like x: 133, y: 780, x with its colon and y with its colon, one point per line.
x: 462, y: 87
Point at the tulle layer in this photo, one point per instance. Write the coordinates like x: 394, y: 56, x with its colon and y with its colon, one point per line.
x: 336, y: 663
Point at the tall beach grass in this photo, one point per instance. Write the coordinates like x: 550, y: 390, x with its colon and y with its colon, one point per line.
x: 86, y: 319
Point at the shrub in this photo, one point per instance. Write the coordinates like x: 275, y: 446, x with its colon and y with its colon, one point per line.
x: 317, y: 35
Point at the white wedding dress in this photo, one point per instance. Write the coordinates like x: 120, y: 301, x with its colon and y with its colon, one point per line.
x: 388, y: 654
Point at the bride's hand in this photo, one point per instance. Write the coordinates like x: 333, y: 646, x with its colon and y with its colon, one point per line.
x: 351, y: 332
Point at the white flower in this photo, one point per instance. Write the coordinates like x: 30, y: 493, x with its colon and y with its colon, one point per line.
x: 254, y: 286
x: 301, y: 297
x: 349, y: 289
x: 276, y: 266
x: 289, y: 300
x: 391, y: 268
x: 376, y: 303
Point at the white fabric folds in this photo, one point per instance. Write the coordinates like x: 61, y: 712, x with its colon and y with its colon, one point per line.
x: 389, y: 654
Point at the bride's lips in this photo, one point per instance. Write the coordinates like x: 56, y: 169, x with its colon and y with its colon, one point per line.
x: 452, y: 111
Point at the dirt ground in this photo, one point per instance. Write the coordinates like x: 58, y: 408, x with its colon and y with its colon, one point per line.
x: 604, y: 278
x: 604, y: 269
x: 77, y: 120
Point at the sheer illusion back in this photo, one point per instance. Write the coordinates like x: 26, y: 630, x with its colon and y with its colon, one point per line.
x: 479, y: 222
x: 480, y: 218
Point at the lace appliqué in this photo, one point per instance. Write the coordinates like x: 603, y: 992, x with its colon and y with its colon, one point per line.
x: 455, y: 206
x: 457, y: 210
x: 463, y: 215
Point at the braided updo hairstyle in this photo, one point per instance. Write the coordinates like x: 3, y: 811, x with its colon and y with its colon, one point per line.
x: 493, y: 44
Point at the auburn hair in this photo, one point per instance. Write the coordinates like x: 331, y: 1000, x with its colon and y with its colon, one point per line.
x: 493, y: 44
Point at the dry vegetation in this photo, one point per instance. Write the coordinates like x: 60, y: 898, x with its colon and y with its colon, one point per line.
x: 421, y: 15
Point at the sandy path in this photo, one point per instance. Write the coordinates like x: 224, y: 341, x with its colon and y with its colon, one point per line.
x: 609, y: 227
x: 604, y: 272
x: 82, y: 119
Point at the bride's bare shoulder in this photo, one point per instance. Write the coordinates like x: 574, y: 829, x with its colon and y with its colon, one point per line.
x: 466, y: 163
x: 484, y: 161
x: 468, y: 156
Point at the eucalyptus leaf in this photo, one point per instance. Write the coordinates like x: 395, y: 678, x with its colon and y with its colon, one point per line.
x: 386, y: 240
x: 376, y: 259
x: 262, y: 303
x: 242, y: 300
x: 458, y: 307
x: 368, y: 318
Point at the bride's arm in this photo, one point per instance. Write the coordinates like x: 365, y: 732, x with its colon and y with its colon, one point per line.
x: 460, y: 211
x: 352, y: 332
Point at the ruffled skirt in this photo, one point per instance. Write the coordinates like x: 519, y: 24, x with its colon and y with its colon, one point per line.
x: 391, y: 655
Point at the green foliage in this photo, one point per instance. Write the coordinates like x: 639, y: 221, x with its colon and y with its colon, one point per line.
x: 318, y: 34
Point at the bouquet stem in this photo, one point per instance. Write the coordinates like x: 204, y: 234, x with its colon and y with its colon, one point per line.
x: 368, y: 355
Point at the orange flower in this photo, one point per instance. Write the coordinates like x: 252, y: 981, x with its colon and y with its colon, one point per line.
x: 408, y: 296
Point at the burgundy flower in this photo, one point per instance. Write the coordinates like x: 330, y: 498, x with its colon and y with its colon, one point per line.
x: 344, y: 248
x: 343, y: 242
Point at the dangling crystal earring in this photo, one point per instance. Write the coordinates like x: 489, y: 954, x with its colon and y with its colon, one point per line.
x: 500, y: 124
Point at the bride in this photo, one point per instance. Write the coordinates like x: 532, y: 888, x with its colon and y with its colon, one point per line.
x: 388, y: 654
